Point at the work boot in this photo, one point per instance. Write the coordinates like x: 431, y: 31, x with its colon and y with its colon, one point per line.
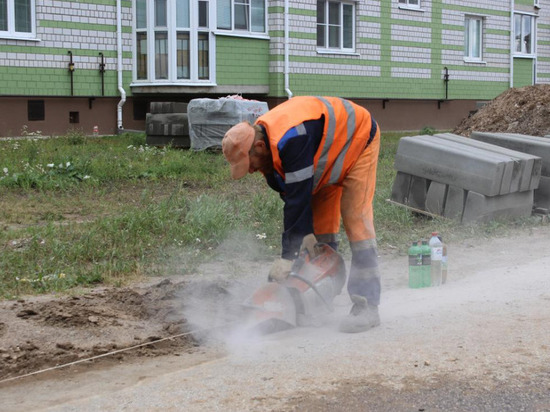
x: 362, y: 316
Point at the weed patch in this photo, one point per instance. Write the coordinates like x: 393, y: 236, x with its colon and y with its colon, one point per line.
x: 79, y: 211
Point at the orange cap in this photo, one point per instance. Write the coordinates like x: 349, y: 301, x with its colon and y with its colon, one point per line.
x: 236, y: 144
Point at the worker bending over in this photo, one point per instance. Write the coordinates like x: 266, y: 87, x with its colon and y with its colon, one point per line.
x: 320, y: 154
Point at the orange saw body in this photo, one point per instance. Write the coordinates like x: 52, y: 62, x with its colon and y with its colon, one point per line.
x: 305, y: 295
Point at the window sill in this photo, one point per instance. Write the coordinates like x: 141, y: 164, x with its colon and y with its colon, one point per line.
x: 203, y: 89
x: 525, y: 56
x: 338, y: 52
x: 4, y: 36
x: 242, y: 34
x: 411, y: 8
x: 138, y: 83
x: 474, y: 61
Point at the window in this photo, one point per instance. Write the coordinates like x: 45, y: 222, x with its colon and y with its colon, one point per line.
x: 335, y: 25
x: 173, y: 41
x: 473, y: 35
x: 17, y: 18
x: 35, y: 110
x: 413, y: 4
x: 74, y: 117
x: 242, y: 15
x: 524, y: 30
x: 141, y: 38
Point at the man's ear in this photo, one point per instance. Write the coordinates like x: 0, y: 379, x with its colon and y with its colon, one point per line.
x: 259, y: 145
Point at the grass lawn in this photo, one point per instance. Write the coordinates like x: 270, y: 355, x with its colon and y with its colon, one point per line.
x: 78, y: 211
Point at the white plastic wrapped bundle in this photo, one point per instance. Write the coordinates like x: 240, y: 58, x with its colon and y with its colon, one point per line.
x: 209, y: 119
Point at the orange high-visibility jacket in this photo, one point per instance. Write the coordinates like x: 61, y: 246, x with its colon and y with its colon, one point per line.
x: 349, y: 128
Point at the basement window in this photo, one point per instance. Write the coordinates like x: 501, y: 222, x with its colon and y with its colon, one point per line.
x: 140, y: 110
x: 35, y: 110
x: 74, y: 117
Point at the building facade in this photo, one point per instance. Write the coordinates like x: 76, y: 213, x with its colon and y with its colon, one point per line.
x: 76, y: 64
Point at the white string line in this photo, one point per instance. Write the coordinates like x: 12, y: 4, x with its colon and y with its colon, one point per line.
x: 108, y: 354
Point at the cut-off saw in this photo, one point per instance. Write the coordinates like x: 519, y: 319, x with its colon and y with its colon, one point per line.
x: 302, y: 298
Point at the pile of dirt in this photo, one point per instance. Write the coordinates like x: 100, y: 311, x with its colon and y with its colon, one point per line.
x: 524, y: 110
x: 41, y: 332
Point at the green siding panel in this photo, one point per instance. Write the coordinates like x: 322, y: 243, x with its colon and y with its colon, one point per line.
x: 397, y: 88
x: 82, y: 26
x: 57, y: 82
x: 38, y: 50
x: 523, y: 72
x: 242, y: 61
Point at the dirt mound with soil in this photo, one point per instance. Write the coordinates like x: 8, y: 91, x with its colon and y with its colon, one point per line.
x: 524, y: 110
x: 41, y: 332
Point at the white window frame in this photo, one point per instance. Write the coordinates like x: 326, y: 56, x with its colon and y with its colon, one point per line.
x: 172, y: 30
x: 231, y: 4
x: 326, y: 48
x: 523, y: 52
x: 409, y: 4
x: 10, y: 33
x: 469, y: 48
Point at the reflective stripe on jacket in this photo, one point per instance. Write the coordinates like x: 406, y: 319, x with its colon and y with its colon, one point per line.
x: 348, y: 130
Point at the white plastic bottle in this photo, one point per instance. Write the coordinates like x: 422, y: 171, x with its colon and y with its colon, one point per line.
x: 443, y: 262
x: 436, y: 257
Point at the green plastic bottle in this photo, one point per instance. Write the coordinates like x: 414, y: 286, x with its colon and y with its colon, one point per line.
x: 415, y: 266
x: 426, y: 264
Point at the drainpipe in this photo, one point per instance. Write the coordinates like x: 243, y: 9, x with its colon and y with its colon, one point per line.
x: 446, y: 80
x: 286, y: 68
x: 119, y: 65
x: 512, y: 43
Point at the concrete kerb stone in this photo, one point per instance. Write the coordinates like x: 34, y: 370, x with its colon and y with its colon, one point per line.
x: 167, y: 124
x: 454, y: 202
x: 481, y: 208
x: 511, y: 167
x: 424, y: 179
x: 536, y: 146
x: 472, y: 170
x: 400, y: 188
x: 542, y: 194
x: 418, y: 191
x: 168, y: 107
x: 435, y: 198
x: 524, y: 163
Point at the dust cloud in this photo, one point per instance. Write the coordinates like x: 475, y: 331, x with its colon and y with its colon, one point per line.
x: 215, y: 301
x: 214, y: 298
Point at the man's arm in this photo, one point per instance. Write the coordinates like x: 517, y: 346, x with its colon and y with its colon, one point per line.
x: 296, y: 150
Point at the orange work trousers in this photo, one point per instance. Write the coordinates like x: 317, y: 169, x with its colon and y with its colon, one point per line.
x: 352, y: 201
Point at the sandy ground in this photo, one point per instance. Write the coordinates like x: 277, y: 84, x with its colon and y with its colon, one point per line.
x: 479, y: 342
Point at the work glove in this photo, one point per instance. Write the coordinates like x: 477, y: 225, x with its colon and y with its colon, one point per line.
x: 308, y: 244
x: 280, y: 270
